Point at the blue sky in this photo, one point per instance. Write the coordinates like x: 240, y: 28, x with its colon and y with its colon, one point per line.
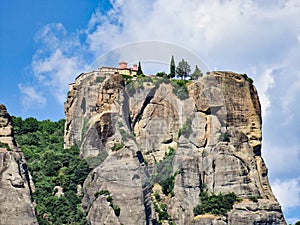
x: 45, y: 44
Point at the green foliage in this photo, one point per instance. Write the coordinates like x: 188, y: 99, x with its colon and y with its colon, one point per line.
x: 196, y: 74
x: 170, y: 153
x: 51, y: 165
x: 100, y: 79
x: 297, y: 223
x: 84, y: 127
x: 225, y: 137
x: 126, y: 136
x: 161, y: 74
x: 180, y: 88
x: 139, y: 71
x: 95, y: 161
x: 162, y: 212
x: 172, y: 68
x: 244, y: 76
x: 183, y: 69
x: 117, y: 146
x: 4, y: 145
x: 102, y: 192
x: 168, y: 185
x: 126, y: 77
x: 215, y: 204
x: 157, y: 196
x: 254, y: 198
x: 179, y: 132
x: 186, y: 129
x: 164, y: 173
x: 135, y: 86
x: 250, y: 80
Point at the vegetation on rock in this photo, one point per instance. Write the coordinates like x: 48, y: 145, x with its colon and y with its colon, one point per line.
x: 183, y: 69
x: 180, y: 88
x: 215, y: 204
x: 196, y: 74
x: 50, y: 166
x: 172, y: 68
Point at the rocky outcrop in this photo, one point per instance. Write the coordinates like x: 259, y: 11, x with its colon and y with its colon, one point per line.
x: 15, y: 184
x: 142, y: 134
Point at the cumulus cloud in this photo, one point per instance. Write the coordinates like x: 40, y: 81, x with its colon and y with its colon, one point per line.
x: 31, y: 97
x: 58, y: 60
x: 287, y: 192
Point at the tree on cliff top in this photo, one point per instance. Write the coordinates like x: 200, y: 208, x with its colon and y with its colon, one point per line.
x: 183, y: 69
x: 196, y: 74
x: 139, y: 71
x: 172, y: 68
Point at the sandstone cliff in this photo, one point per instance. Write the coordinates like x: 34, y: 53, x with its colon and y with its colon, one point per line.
x: 139, y: 135
x: 15, y: 184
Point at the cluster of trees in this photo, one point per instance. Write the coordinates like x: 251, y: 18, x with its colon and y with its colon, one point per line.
x: 50, y: 165
x: 183, y: 70
x: 215, y: 204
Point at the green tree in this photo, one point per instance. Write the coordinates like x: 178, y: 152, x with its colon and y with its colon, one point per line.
x: 172, y: 68
x: 51, y: 165
x: 297, y: 223
x: 196, y: 74
x: 139, y: 71
x: 183, y: 69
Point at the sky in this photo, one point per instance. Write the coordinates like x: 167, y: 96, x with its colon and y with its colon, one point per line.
x: 45, y: 44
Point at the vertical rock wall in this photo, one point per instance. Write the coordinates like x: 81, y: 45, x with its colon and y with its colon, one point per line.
x: 16, y: 206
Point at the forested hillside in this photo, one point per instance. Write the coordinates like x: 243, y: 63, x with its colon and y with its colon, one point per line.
x: 51, y: 166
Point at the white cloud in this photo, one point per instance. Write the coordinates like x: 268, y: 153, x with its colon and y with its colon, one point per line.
x: 58, y: 60
x: 56, y: 72
x: 265, y: 82
x: 31, y: 97
x: 287, y: 192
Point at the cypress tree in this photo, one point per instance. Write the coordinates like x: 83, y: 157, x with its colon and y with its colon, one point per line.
x: 139, y: 71
x: 172, y: 67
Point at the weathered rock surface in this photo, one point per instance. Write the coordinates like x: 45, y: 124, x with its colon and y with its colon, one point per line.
x: 138, y: 134
x: 16, y: 205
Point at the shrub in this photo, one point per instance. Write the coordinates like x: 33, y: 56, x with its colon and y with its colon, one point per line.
x: 4, y: 145
x: 250, y: 80
x: 215, y: 204
x: 186, y: 130
x: 180, y: 89
x: 244, y: 76
x: 126, y: 136
x: 117, y: 146
x: 170, y: 153
x: 253, y: 198
x: 100, y: 79
x: 161, y: 74
x: 102, y: 192
x: 225, y: 137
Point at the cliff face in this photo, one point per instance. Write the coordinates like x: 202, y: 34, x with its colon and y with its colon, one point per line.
x: 15, y: 183
x: 144, y: 134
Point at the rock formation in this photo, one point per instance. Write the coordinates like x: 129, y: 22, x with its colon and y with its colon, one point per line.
x: 15, y: 183
x: 141, y: 134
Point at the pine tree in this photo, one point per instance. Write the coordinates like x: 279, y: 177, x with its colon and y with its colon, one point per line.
x: 183, y: 69
x: 172, y: 68
x: 196, y: 74
x: 139, y: 71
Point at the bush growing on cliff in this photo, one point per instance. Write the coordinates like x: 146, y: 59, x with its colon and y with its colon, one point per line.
x: 180, y: 88
x: 215, y: 204
x: 4, y: 145
x: 186, y: 129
